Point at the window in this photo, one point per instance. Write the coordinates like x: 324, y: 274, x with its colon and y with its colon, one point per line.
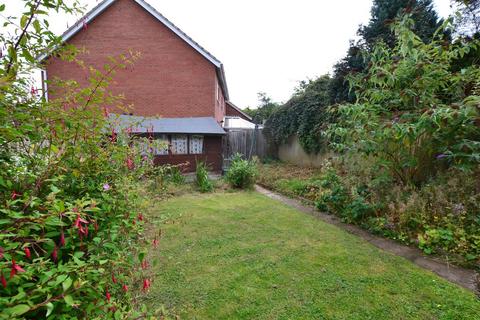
x: 179, y: 144
x: 196, y: 144
x: 161, y: 145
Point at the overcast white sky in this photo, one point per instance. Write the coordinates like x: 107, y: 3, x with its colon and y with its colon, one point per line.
x: 265, y: 45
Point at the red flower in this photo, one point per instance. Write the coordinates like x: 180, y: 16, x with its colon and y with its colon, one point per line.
x: 15, y: 195
x: 125, y: 288
x: 146, y: 284
x: 108, y: 296
x: 15, y: 269
x: 155, y: 242
x: 27, y: 253
x: 79, y: 221
x: 140, y: 217
x: 55, y: 254
x: 114, y: 280
x: 144, y: 264
x: 114, y: 136
x: 62, y: 239
x: 130, y: 164
x: 3, y: 280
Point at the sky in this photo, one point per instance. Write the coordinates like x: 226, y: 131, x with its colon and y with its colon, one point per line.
x: 265, y: 45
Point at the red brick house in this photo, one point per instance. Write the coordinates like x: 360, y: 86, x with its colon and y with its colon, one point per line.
x: 175, y: 78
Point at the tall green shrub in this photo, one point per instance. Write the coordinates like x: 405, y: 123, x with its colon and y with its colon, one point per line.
x: 70, y: 201
x: 242, y: 173
x: 414, y: 114
x: 204, y: 183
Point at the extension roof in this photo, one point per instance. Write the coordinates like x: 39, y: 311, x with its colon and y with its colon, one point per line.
x: 137, y: 124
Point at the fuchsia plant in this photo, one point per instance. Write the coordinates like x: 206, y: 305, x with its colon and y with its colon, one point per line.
x: 68, y: 183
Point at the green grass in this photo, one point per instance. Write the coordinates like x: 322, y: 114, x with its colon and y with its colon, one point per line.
x: 245, y: 256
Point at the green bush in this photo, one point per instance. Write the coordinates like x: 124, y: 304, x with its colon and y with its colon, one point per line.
x: 175, y: 176
x: 71, y: 195
x: 202, y: 180
x: 242, y: 173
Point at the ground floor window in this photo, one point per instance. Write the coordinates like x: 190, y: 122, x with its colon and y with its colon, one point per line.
x: 196, y: 144
x: 179, y: 144
x: 161, y: 147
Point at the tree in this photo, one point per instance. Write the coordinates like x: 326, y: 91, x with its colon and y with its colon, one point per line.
x: 384, y: 13
x: 265, y: 108
x: 468, y: 21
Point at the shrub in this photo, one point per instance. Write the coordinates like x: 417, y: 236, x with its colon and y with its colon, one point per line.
x: 203, y: 181
x: 415, y: 114
x: 242, y: 173
x: 175, y: 175
x: 70, y: 193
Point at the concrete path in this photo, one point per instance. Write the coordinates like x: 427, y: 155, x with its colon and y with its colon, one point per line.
x: 464, y: 277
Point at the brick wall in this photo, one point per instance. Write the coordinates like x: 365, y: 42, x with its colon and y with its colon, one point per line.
x: 170, y: 80
x: 231, y: 111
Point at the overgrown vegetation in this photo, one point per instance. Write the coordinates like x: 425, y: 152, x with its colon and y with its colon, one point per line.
x: 401, y: 150
x: 72, y: 187
x: 203, y: 182
x: 242, y: 173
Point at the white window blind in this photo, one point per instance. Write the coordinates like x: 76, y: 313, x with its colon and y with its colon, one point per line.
x: 196, y: 144
x: 179, y: 144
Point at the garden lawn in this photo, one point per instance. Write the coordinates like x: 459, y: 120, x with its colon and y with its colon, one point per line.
x: 245, y: 256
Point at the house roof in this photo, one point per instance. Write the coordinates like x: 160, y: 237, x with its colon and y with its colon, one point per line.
x: 239, y: 110
x: 200, y: 125
x: 105, y: 4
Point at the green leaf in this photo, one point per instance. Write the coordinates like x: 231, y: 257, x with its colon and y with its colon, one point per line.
x: 2, y: 7
x: 69, y: 300
x: 50, y: 308
x: 23, y: 21
x: 67, y: 284
x: 18, y: 310
x: 36, y: 25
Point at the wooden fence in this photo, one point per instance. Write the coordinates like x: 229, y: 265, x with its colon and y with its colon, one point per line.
x: 247, y: 142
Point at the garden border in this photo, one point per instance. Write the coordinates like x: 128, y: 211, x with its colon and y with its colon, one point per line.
x: 465, y: 278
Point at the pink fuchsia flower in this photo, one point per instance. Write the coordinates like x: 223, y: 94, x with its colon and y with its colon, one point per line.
x: 106, y: 187
x: 28, y: 254
x: 130, y: 164
x: 3, y: 280
x: 15, y: 269
x: 55, y: 254
x: 79, y: 221
x: 62, y: 239
x: 15, y: 195
x: 146, y: 284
